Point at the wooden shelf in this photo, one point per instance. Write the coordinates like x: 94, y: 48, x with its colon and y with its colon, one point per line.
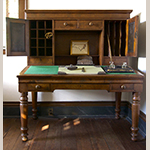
x: 39, y: 45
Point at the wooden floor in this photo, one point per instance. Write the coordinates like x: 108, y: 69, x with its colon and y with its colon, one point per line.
x: 71, y: 134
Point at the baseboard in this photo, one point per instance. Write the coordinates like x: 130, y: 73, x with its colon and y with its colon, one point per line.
x: 6, y: 105
x: 88, y: 109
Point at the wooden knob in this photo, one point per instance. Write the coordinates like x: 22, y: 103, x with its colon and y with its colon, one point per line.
x: 90, y: 23
x: 65, y: 24
x: 37, y: 86
x: 123, y: 87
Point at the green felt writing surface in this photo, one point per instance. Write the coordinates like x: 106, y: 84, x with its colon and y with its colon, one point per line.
x: 42, y: 70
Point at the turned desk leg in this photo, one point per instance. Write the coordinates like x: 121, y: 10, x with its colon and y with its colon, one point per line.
x: 34, y: 105
x: 24, y: 115
x: 118, y: 101
x: 135, y: 115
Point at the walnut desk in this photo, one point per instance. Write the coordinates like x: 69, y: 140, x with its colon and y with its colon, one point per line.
x: 46, y: 36
x: 117, y: 83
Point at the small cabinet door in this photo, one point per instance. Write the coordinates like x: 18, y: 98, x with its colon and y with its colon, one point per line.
x: 17, y: 37
x: 132, y: 37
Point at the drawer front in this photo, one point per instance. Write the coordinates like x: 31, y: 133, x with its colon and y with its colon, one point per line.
x: 65, y: 25
x: 122, y: 87
x: 91, y: 25
x: 38, y: 87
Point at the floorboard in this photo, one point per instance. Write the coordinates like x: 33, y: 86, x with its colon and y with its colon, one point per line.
x: 71, y: 134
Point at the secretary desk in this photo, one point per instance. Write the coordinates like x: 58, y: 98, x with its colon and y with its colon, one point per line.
x: 103, y: 29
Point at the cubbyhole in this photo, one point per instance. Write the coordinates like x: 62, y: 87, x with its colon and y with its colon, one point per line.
x: 33, y: 52
x: 123, y: 38
x: 41, y: 24
x: 33, y: 42
x: 115, y: 30
x: 41, y: 52
x: 118, y: 36
x: 106, y: 39
x: 49, y: 43
x: 49, y: 24
x: 41, y: 43
x: 41, y: 33
x: 32, y: 24
x: 48, y: 51
x: 33, y: 33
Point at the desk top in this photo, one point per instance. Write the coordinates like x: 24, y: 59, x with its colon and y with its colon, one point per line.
x: 49, y: 79
x: 53, y: 70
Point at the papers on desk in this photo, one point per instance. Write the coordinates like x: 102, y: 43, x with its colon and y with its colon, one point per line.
x: 87, y: 70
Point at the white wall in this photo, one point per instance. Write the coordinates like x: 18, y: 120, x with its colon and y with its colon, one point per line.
x: 16, y: 64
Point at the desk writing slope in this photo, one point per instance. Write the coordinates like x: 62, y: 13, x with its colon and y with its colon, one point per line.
x: 56, y: 70
x: 42, y: 70
x: 87, y: 70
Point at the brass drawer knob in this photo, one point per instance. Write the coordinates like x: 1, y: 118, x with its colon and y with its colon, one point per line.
x: 123, y: 87
x: 37, y: 86
x: 90, y: 23
x: 65, y: 24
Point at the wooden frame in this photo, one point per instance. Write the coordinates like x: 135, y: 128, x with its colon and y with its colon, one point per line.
x: 79, y: 47
x: 132, y: 36
x: 17, y: 37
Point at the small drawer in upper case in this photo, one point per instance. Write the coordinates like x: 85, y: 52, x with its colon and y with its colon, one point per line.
x: 91, y: 25
x: 65, y: 25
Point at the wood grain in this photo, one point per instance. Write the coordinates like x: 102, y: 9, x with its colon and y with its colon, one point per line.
x: 74, y: 134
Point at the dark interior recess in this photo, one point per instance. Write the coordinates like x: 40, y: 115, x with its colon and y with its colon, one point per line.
x: 33, y: 42
x: 123, y: 38
x: 39, y: 45
x: 33, y: 33
x: 33, y: 52
x: 48, y: 51
x: 118, y: 24
x: 116, y: 32
x: 41, y: 34
x: 48, y: 42
x: 49, y: 24
x: 32, y: 24
x: 41, y: 52
x: 65, y: 60
x: 41, y: 24
x: 63, y: 40
x: 41, y: 42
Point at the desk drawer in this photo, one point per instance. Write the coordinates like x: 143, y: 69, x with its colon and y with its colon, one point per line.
x: 122, y: 87
x: 91, y: 25
x: 65, y: 25
x: 38, y: 87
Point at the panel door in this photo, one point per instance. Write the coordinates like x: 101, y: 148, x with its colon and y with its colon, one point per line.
x: 132, y: 36
x: 17, y: 37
